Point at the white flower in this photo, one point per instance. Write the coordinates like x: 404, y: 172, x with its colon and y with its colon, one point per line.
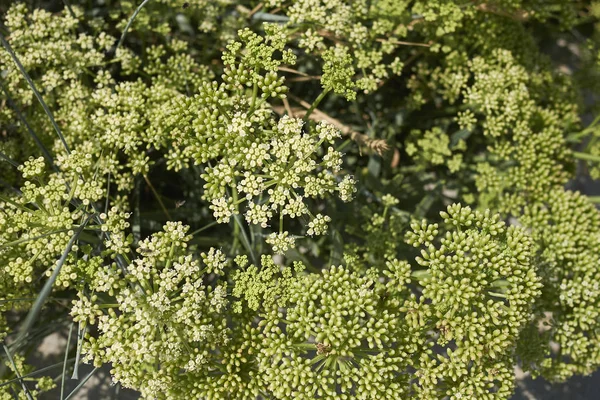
x: 318, y: 226
x: 281, y: 242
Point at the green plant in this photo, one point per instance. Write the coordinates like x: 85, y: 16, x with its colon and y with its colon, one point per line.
x: 299, y: 198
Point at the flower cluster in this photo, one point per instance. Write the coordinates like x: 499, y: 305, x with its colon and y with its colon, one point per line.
x: 299, y: 266
x: 277, y: 174
x: 158, y: 317
x: 565, y: 228
x: 336, y: 341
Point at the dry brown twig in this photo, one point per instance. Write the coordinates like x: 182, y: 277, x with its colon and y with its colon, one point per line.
x: 378, y: 146
x: 302, y: 76
x: 249, y: 13
x: 288, y: 109
x: 518, y: 16
x: 256, y: 9
x: 292, y: 71
x: 403, y: 43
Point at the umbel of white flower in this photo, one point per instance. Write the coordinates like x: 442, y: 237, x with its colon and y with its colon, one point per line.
x: 281, y: 180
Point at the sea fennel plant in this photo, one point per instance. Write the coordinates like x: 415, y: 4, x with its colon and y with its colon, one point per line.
x: 299, y: 198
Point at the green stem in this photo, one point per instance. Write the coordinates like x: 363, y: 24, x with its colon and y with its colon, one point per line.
x: 254, y: 94
x: 590, y: 128
x: 47, y: 289
x: 137, y: 11
x: 315, y: 104
x: 204, y: 228
x: 36, y: 372
x: 421, y: 274
x: 83, y: 381
x: 35, y: 91
x: 223, y: 112
x: 585, y: 156
x: 20, y: 207
x: 15, y: 242
x: 170, y: 257
x: 64, y: 372
x: 16, y: 371
x: 245, y: 239
x: 9, y: 160
x: 33, y: 135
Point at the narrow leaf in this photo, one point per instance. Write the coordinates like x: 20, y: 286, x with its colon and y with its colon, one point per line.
x: 137, y: 11
x: 83, y: 381
x: 35, y: 91
x: 36, y: 372
x: 35, y: 137
x: 64, y: 372
x: 16, y: 370
x: 41, y: 299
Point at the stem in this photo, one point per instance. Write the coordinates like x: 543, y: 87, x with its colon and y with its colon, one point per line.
x: 315, y: 104
x: 162, y: 205
x: 16, y: 370
x: 35, y: 91
x: 137, y: 11
x: 47, y: 289
x: 421, y: 274
x: 71, y: 192
x: 83, y: 381
x: 9, y: 160
x: 23, y: 240
x: 245, y: 240
x: 223, y: 112
x: 578, y: 135
x: 585, y: 156
x: 204, y: 228
x: 280, y: 220
x: 170, y: 257
x: 35, y: 138
x: 36, y: 372
x: 254, y: 94
x: 64, y: 372
x: 20, y: 207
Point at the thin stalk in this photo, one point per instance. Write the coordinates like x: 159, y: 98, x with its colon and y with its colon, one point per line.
x: 137, y: 11
x: 107, y: 194
x: 136, y: 225
x: 9, y: 201
x: 204, y: 228
x: 80, y: 334
x: 223, y: 112
x: 19, y: 241
x: 245, y: 239
x: 33, y: 135
x: 83, y: 381
x: 43, y: 296
x: 590, y: 128
x: 36, y: 372
x: 16, y: 370
x: 162, y: 205
x: 11, y: 187
x: 35, y: 91
x: 16, y: 300
x: 64, y: 372
x: 68, y: 5
x: 585, y: 156
x: 254, y: 94
x: 9, y: 160
x: 315, y: 104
